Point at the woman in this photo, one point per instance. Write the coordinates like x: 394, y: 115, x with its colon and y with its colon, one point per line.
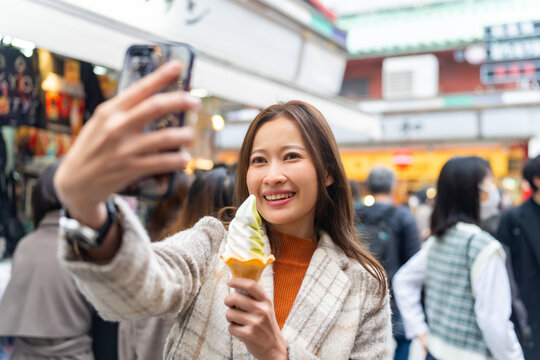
x: 462, y: 271
x: 42, y: 307
x: 327, y: 296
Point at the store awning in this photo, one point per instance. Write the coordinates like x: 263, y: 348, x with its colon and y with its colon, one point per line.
x: 89, y: 37
x: 431, y: 27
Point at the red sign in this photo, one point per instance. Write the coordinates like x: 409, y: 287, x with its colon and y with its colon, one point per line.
x: 403, y: 158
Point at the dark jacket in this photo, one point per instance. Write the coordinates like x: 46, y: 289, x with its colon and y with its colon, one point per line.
x: 406, y: 237
x: 406, y: 242
x: 519, y: 229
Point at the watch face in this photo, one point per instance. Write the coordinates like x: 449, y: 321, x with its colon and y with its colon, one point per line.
x: 82, y: 240
x: 85, y: 236
x: 76, y: 232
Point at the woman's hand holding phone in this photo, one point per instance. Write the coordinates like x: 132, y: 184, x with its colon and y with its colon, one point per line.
x: 112, y: 150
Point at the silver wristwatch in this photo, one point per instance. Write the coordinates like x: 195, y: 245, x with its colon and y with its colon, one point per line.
x: 83, y: 235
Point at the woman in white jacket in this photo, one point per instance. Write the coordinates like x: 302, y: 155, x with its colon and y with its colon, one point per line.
x: 462, y: 271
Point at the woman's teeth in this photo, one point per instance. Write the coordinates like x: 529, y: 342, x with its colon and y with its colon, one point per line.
x: 278, y: 196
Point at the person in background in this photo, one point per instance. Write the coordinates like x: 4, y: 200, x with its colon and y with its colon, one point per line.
x: 396, y: 247
x: 355, y: 192
x: 42, y: 307
x: 210, y: 192
x: 519, y: 229
x: 331, y: 302
x: 490, y: 216
x: 422, y: 213
x: 462, y: 271
x: 166, y: 212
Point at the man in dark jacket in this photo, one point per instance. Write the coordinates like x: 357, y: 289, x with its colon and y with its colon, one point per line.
x: 396, y: 247
x: 519, y: 229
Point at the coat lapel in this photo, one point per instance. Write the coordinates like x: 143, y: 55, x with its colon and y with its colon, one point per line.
x: 321, y: 296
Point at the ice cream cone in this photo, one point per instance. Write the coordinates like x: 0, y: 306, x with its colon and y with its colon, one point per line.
x: 244, y: 251
x: 249, y: 269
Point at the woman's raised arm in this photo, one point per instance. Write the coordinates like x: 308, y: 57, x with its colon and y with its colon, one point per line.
x: 112, y: 151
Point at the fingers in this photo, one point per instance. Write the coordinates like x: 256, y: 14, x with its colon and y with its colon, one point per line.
x: 161, y: 163
x: 238, y: 317
x: 148, y: 85
x: 250, y: 286
x: 159, y: 105
x: 239, y: 331
x: 172, y: 138
x: 236, y: 300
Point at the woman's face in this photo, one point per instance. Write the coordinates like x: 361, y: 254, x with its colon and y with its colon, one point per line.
x: 487, y: 185
x: 282, y: 176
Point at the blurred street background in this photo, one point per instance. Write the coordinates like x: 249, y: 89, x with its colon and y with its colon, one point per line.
x: 406, y: 84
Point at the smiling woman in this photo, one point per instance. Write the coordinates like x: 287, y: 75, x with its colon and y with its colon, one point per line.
x: 325, y: 296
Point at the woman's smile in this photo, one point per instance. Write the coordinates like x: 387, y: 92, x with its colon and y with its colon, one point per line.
x: 278, y: 198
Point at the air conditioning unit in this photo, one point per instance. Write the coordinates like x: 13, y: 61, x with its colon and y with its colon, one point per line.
x: 410, y: 77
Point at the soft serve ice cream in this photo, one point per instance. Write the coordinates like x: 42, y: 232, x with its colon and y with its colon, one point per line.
x: 244, y: 251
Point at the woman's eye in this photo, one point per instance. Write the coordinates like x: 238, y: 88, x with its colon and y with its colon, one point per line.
x: 292, y: 156
x: 257, y: 160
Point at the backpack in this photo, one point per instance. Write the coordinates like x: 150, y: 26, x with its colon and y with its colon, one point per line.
x: 379, y: 236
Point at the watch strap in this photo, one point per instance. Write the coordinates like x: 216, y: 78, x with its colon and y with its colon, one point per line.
x: 110, y: 221
x: 85, y: 236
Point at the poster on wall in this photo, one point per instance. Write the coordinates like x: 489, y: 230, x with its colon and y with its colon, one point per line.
x: 71, y: 92
x: 64, y: 96
x: 19, y: 89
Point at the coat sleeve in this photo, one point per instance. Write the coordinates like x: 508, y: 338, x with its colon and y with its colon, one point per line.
x: 374, y: 339
x: 146, y: 279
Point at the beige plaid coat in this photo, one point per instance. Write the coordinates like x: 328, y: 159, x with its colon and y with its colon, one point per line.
x: 335, y: 315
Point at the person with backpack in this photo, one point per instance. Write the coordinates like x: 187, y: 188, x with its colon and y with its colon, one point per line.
x: 519, y: 229
x: 392, y: 236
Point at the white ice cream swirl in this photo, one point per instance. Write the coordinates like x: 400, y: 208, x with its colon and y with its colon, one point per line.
x: 245, y: 239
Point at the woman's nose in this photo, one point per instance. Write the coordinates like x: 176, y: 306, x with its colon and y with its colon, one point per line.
x: 274, y: 175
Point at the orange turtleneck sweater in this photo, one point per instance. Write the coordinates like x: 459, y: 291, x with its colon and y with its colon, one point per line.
x: 289, y: 271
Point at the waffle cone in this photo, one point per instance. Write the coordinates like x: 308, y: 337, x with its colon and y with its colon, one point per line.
x: 249, y: 269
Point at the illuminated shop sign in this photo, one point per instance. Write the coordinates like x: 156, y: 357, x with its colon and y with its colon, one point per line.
x: 508, y: 72
x: 519, y: 49
x: 512, y: 53
x: 512, y: 31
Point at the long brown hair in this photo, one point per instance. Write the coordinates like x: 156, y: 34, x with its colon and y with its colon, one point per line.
x: 334, y: 210
x: 166, y: 211
x: 210, y: 192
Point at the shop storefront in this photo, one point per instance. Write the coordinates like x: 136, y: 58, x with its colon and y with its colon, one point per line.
x: 45, y: 98
x: 73, y: 64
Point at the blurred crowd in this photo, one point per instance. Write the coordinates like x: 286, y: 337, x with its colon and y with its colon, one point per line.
x: 461, y: 257
x: 42, y: 313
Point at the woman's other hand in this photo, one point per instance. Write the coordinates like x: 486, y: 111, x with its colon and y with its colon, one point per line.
x: 255, y: 324
x: 112, y: 151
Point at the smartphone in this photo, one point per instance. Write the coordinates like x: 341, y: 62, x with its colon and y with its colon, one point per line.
x: 141, y: 60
